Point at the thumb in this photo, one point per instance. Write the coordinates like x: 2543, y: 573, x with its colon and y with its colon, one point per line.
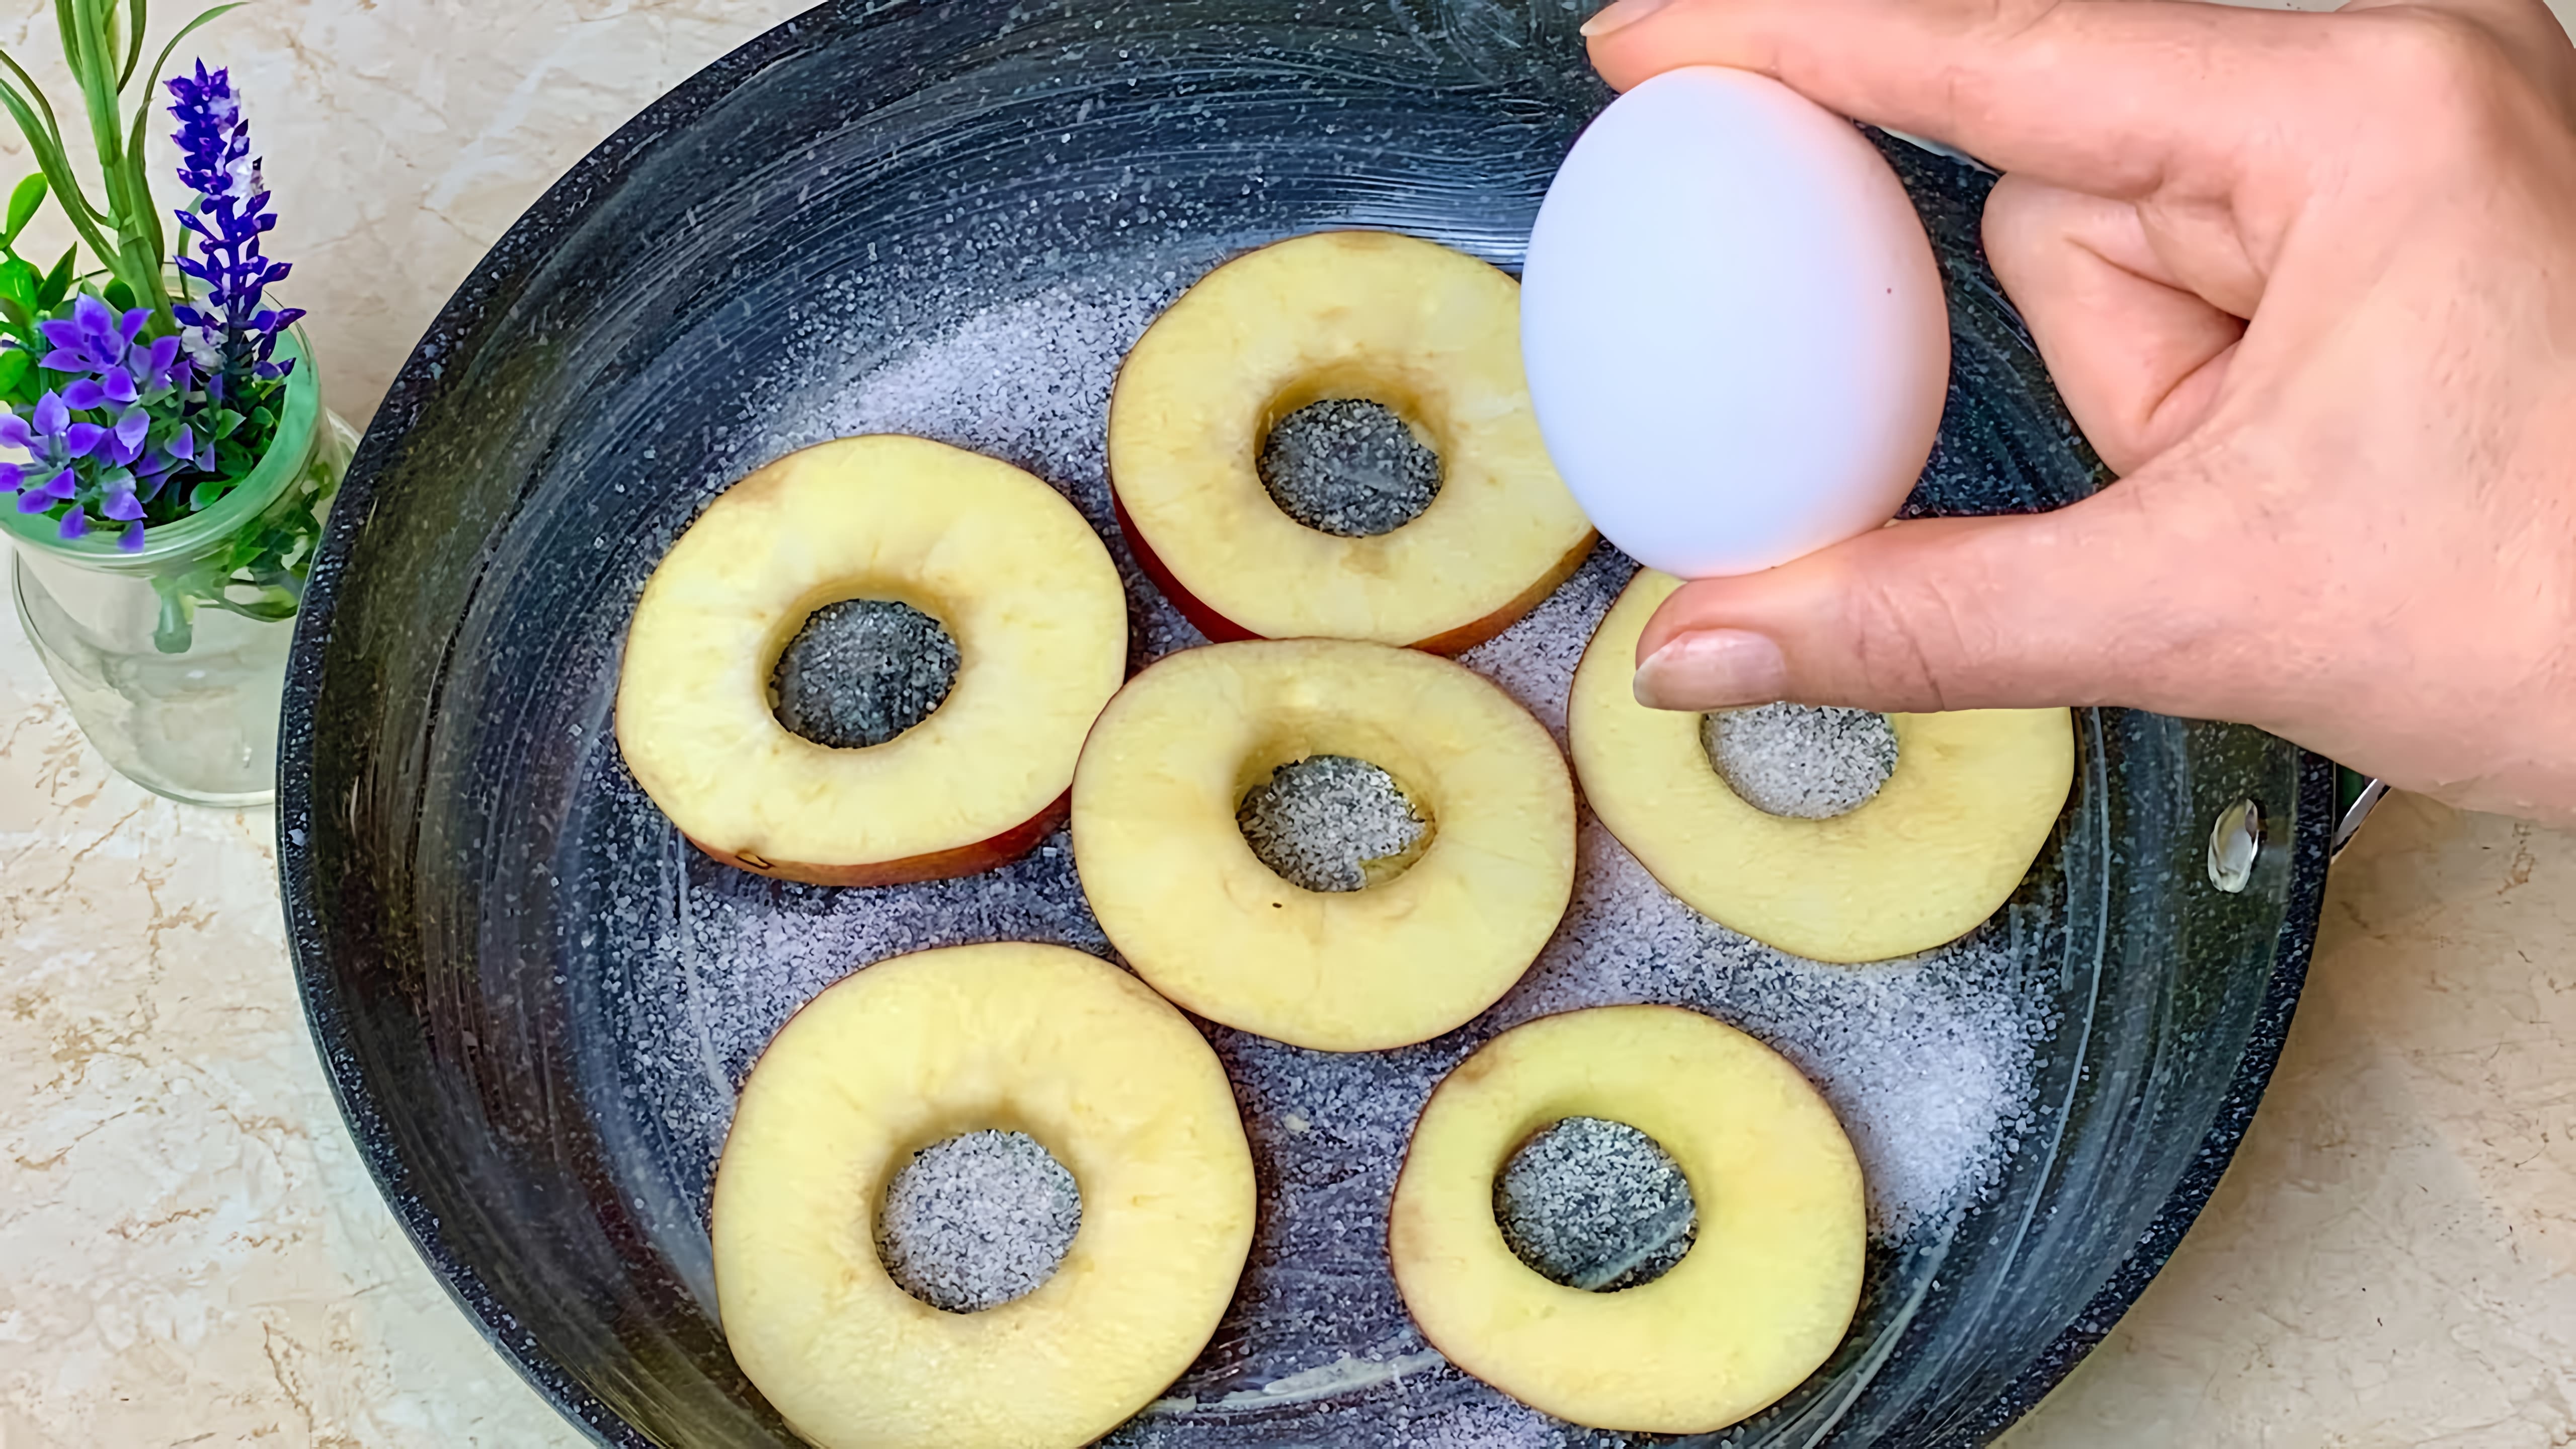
x: 2096, y: 603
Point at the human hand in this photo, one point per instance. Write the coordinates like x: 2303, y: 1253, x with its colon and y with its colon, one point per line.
x: 2308, y: 282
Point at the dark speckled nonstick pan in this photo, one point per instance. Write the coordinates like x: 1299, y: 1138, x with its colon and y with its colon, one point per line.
x: 483, y: 909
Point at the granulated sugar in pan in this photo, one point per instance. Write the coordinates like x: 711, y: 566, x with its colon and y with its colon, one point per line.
x: 1927, y: 1061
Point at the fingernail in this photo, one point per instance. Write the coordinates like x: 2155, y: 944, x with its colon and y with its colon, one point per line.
x: 1621, y: 15
x: 1712, y: 669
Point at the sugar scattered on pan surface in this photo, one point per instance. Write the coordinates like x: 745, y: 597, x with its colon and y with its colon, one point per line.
x: 1928, y: 1062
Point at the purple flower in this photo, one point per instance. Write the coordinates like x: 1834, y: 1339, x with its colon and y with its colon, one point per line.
x: 114, y: 466
x: 159, y: 366
x: 53, y: 449
x: 93, y: 338
x: 122, y: 505
x: 215, y: 149
x: 230, y: 334
x: 128, y: 379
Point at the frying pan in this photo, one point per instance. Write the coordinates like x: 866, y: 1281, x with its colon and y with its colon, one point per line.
x: 494, y: 933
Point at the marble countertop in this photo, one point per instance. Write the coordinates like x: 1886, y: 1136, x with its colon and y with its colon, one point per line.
x: 191, y: 1254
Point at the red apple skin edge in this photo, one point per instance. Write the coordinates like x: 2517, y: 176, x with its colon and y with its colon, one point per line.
x: 1468, y: 636
x: 1218, y: 628
x: 973, y: 859
x: 1221, y: 630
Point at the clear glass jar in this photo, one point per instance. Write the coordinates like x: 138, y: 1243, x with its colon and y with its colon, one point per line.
x: 173, y: 658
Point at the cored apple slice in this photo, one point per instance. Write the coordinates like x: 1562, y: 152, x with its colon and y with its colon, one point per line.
x: 1182, y: 895
x: 1760, y: 1300
x: 1111, y: 1081
x: 1430, y: 333
x: 999, y: 559
x: 1944, y: 843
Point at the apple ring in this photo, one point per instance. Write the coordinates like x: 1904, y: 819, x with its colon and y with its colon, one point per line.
x: 1943, y: 844
x: 1113, y: 1082
x: 1760, y: 1300
x: 1183, y: 897
x: 1430, y: 333
x: 998, y: 558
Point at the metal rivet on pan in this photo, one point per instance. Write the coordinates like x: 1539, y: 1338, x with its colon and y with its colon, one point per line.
x: 2233, y: 843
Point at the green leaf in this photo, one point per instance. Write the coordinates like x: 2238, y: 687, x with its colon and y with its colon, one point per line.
x: 45, y: 141
x: 15, y: 365
x: 58, y: 282
x: 19, y: 281
x: 118, y: 295
x: 17, y: 314
x: 23, y: 204
x: 85, y: 46
x: 154, y: 238
x: 91, y: 48
x: 133, y: 46
x: 35, y: 93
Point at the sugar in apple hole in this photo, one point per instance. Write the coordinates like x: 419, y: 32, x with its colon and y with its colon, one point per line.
x: 1802, y: 761
x: 1333, y: 823
x: 1349, y: 467
x: 1595, y: 1204
x: 978, y: 1220
x: 861, y: 671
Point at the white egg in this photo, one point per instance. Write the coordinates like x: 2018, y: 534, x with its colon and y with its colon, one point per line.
x: 1733, y: 326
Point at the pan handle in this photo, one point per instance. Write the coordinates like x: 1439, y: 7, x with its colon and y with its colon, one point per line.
x: 2356, y: 795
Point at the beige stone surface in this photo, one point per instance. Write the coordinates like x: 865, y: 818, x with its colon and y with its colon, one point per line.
x: 190, y: 1253
x: 2391, y: 1259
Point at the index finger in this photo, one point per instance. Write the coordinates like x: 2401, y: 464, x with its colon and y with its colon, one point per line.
x: 2111, y: 97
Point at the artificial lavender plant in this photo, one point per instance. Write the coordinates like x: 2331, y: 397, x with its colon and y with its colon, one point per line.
x: 126, y: 406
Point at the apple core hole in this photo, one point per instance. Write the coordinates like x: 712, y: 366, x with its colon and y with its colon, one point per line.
x: 862, y: 671
x: 1333, y: 823
x: 1595, y: 1204
x: 1349, y: 467
x: 1803, y: 761
x: 977, y: 1220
